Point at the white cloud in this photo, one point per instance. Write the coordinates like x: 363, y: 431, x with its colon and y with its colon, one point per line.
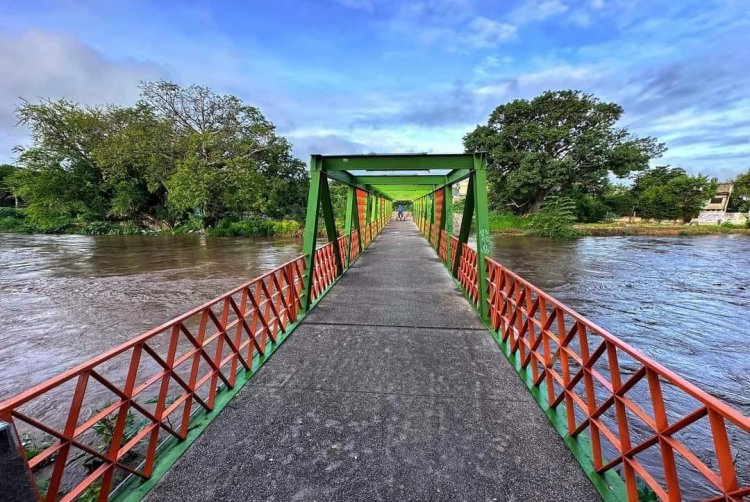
x: 39, y: 64
x: 485, y: 32
x: 537, y: 10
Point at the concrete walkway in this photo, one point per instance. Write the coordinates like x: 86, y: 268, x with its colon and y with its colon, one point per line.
x: 391, y: 389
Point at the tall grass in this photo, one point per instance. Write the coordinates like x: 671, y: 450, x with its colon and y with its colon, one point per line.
x: 254, y: 228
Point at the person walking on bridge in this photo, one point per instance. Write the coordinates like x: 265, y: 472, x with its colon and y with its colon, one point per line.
x: 400, y: 211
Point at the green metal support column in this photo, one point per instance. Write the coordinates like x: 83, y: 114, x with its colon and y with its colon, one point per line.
x: 426, y: 214
x: 351, y: 212
x: 448, y: 219
x: 330, y: 222
x: 483, y: 232
x: 463, y: 235
x: 378, y: 210
x: 311, y: 230
x: 368, y: 217
x: 432, y: 214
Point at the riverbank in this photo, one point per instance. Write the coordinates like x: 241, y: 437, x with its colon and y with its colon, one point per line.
x: 655, y: 229
x: 15, y: 221
x: 513, y: 225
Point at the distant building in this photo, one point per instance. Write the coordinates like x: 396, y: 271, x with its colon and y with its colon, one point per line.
x: 714, y: 212
x: 720, y: 201
x: 460, y: 189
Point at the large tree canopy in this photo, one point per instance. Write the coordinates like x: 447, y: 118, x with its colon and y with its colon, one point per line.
x: 178, y: 151
x: 557, y: 143
x: 670, y: 193
x: 740, y: 199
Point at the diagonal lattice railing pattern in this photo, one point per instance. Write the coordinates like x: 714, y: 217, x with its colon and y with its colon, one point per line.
x: 118, y: 409
x: 661, y: 434
x: 639, y: 416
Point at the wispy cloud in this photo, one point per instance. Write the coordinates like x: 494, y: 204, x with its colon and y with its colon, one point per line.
x: 382, y: 75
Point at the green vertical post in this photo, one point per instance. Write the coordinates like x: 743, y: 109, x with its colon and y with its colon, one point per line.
x: 427, y: 214
x: 368, y: 216
x: 448, y: 220
x: 378, y: 210
x: 330, y: 222
x: 463, y: 235
x: 433, y: 213
x: 483, y: 232
x: 351, y: 210
x: 311, y: 230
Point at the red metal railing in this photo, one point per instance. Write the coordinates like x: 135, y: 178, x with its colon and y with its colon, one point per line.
x: 158, y: 381
x: 641, y: 419
x: 623, y: 400
x: 354, y: 247
x: 467, y: 273
x: 442, y: 246
x: 454, y: 247
x: 171, y: 369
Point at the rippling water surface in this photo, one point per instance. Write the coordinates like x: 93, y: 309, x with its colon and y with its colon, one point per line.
x: 64, y: 299
x: 685, y: 301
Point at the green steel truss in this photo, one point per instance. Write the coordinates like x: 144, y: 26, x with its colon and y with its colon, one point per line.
x: 397, y: 177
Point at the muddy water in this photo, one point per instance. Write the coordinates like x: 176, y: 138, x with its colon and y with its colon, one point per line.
x: 685, y: 301
x: 64, y: 299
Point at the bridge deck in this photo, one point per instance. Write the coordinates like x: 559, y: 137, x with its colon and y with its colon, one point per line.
x: 390, y: 389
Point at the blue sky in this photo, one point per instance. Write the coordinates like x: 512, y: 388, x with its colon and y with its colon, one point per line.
x: 358, y: 76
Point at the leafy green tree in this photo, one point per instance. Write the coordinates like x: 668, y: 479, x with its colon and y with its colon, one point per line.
x: 670, y: 193
x: 178, y: 152
x: 558, y: 142
x: 233, y: 159
x: 739, y: 201
x: 620, y: 199
x: 59, y: 176
x: 6, y: 195
x: 136, y: 157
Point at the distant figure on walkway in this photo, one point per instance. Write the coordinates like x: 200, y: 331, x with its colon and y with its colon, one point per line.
x: 400, y: 211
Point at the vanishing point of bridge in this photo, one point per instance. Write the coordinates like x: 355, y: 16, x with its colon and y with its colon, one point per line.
x: 419, y: 369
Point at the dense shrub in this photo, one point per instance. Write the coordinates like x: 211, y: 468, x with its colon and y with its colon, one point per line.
x: 555, y: 219
x: 254, y: 228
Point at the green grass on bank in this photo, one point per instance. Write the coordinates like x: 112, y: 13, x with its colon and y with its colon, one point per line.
x: 16, y: 221
x: 507, y: 222
x: 511, y: 224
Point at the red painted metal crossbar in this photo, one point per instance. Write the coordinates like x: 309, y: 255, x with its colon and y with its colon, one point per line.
x: 640, y: 418
x: 172, y: 371
x: 628, y: 404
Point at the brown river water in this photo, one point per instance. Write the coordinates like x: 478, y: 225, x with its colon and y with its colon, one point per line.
x: 685, y: 301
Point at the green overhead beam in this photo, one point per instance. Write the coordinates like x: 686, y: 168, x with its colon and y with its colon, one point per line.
x: 342, y: 177
x: 457, y: 175
x: 400, y: 180
x: 402, y: 162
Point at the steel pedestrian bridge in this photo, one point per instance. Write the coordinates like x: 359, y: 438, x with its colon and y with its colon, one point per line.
x: 419, y: 369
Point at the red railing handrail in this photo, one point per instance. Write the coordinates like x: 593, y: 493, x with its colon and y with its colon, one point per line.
x: 526, y: 321
x: 696, y: 392
x: 75, y: 371
x: 260, y: 311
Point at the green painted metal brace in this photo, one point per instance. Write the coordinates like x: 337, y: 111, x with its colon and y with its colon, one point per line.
x: 397, y: 177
